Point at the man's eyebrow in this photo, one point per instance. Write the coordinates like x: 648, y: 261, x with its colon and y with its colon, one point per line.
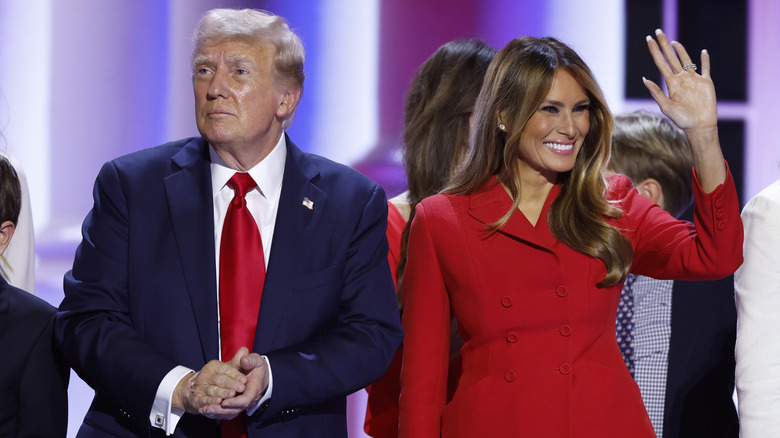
x: 201, y: 59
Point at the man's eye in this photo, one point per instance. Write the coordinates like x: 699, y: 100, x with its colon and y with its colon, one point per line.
x: 241, y: 71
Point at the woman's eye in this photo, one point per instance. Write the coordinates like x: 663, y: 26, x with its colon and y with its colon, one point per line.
x: 580, y: 108
x: 550, y: 109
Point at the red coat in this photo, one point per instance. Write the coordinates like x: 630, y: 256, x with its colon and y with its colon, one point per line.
x: 540, y: 356
x: 382, y: 406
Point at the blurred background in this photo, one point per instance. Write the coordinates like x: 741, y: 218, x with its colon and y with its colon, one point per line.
x: 84, y: 81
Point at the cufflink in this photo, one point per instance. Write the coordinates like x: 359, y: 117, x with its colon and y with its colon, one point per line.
x: 159, y: 421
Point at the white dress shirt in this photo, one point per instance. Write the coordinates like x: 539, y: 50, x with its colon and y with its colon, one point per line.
x: 757, y: 288
x: 263, y: 204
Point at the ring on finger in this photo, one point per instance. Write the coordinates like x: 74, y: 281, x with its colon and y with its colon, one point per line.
x: 691, y: 65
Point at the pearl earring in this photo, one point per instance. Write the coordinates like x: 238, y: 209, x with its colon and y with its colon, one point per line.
x: 502, y: 126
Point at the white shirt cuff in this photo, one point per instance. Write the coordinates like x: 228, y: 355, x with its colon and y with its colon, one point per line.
x: 267, y: 395
x: 163, y: 416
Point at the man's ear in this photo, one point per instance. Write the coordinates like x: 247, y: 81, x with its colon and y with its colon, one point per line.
x: 7, y: 229
x: 289, y: 101
x: 651, y: 189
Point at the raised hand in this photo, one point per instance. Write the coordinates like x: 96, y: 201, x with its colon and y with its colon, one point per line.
x: 691, y: 105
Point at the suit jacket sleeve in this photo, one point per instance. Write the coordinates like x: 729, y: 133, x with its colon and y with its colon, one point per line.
x: 359, y: 340
x: 667, y: 248
x: 93, y: 326
x: 43, y: 407
x: 757, y: 285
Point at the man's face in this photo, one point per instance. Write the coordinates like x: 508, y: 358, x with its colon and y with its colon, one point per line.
x: 237, y: 105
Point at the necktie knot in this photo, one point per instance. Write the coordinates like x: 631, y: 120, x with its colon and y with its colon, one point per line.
x: 241, y: 182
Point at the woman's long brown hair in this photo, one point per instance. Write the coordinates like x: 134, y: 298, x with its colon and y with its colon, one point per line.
x: 516, y: 83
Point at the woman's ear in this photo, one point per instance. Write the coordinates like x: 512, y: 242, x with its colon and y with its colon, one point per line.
x: 7, y: 229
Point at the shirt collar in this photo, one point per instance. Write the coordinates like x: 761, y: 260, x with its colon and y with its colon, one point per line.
x: 267, y: 173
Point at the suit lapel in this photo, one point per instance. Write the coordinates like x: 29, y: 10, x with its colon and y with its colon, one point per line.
x: 191, y: 208
x: 490, y: 205
x: 294, y: 230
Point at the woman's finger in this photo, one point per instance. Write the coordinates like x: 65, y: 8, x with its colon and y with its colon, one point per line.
x: 668, y: 50
x: 685, y: 59
x: 705, y: 63
x: 658, y: 58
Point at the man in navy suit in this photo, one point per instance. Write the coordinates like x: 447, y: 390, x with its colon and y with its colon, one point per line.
x: 140, y: 321
x: 684, y: 331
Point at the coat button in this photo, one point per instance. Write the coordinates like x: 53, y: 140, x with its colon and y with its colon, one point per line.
x: 721, y: 225
x: 509, y: 376
x: 719, y: 203
x: 511, y: 337
x: 565, y: 368
x: 506, y: 301
x: 562, y: 291
x: 719, y: 214
x: 566, y: 330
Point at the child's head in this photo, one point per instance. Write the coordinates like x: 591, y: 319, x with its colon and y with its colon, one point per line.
x: 10, y: 202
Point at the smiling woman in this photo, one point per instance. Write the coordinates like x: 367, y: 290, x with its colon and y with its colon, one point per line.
x: 528, y: 246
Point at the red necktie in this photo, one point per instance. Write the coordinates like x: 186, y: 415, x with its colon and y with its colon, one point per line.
x: 241, y: 277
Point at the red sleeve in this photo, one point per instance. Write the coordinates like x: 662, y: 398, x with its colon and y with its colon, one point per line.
x: 395, y: 229
x: 426, y: 323
x: 667, y: 248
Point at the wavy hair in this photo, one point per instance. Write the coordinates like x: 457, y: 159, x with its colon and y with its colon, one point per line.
x: 437, y: 110
x: 517, y: 82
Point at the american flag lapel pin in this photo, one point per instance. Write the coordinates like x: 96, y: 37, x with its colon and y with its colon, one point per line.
x: 308, y: 203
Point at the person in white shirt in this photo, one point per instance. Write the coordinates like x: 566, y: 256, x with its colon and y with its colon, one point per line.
x: 757, y: 286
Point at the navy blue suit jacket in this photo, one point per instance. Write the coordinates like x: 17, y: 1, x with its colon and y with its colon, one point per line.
x: 33, y: 376
x: 141, y: 297
x: 700, y: 379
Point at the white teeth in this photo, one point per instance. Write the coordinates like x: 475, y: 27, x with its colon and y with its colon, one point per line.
x: 560, y: 147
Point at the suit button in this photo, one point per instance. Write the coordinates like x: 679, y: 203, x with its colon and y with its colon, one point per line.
x: 506, y: 301
x: 566, y: 330
x: 511, y: 337
x: 565, y: 368
x: 721, y: 225
x: 562, y: 291
x: 509, y: 376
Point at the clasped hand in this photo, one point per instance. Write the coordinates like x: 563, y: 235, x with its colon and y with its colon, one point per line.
x: 222, y: 390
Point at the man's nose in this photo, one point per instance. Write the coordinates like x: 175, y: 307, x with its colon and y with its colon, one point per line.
x: 218, y: 85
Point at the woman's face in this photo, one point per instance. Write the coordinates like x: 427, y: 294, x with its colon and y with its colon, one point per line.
x: 554, y: 134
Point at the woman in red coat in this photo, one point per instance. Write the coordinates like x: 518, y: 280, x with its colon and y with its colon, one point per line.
x: 529, y: 245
